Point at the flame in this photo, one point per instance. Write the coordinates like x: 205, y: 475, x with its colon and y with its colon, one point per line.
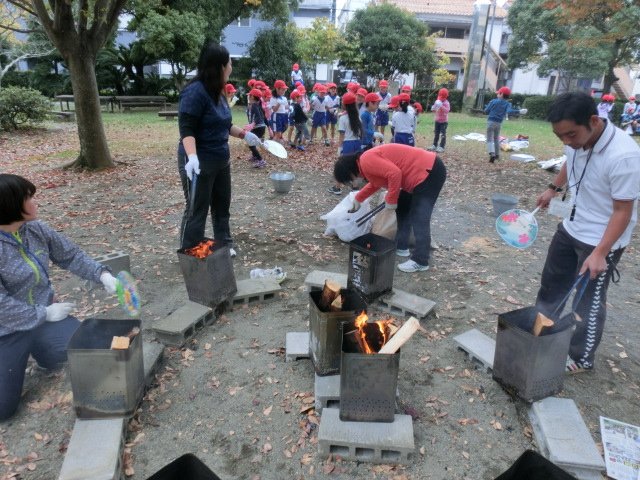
x: 361, y: 323
x: 202, y: 250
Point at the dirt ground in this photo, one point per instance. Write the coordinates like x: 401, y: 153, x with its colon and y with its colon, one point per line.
x: 228, y: 396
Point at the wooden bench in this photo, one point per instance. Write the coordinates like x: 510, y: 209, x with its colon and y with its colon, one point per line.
x: 66, y: 116
x: 126, y: 103
x: 168, y: 114
x: 105, y: 101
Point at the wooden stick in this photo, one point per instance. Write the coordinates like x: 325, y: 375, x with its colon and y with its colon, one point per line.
x: 330, y: 291
x: 402, y: 336
x: 541, y: 322
x: 336, y: 305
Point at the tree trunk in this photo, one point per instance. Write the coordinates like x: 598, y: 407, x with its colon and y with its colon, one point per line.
x: 609, y: 78
x: 94, y: 150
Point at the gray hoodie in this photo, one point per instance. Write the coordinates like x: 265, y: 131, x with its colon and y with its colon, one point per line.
x: 25, y: 289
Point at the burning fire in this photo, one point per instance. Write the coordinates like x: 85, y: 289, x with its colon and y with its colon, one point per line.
x: 202, y: 250
x: 367, y: 330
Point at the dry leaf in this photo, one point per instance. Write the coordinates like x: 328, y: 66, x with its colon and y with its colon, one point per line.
x: 465, y: 455
x: 267, y: 411
x: 306, y: 459
x: 623, y: 355
x: 267, y: 448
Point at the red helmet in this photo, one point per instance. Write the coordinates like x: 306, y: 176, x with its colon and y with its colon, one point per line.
x: 295, y: 67
x: 504, y: 91
x: 362, y: 92
x: 372, y: 97
x: 418, y: 107
x: 251, y: 82
x: 230, y: 89
x: 331, y: 85
x: 405, y: 88
x: 255, y: 93
x: 295, y: 94
x: 443, y: 93
x: 279, y: 84
x: 383, y: 83
x: 352, y: 87
x: 394, y: 102
x: 348, y: 98
x: 301, y: 89
x: 404, y: 97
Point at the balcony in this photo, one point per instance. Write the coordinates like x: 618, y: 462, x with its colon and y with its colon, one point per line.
x: 454, y: 47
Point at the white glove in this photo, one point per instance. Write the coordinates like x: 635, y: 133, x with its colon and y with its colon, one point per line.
x: 390, y: 206
x: 378, y: 135
x: 192, y: 166
x: 436, y: 105
x: 355, y: 206
x: 59, y: 311
x: 233, y: 101
x: 251, y: 139
x: 109, y: 281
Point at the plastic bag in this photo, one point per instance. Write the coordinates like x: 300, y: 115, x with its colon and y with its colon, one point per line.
x: 385, y: 224
x: 343, y: 224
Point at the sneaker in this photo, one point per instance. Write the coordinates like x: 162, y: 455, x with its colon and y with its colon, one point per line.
x: 403, y: 253
x: 259, y: 163
x: 410, y: 266
x: 335, y: 190
x: 326, y: 142
x: 439, y: 149
x: 301, y: 148
x: 277, y: 273
x: 232, y: 252
x: 432, y: 148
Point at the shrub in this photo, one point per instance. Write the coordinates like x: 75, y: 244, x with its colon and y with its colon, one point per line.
x: 538, y: 105
x: 20, y: 106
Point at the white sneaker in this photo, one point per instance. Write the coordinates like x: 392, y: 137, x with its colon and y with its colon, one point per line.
x: 431, y: 148
x: 439, y: 149
x: 403, y: 253
x: 410, y: 266
x: 232, y: 252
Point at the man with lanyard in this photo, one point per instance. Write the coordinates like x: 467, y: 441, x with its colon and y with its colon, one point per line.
x: 602, y: 173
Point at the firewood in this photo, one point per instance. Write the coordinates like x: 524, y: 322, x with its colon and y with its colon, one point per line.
x: 330, y: 291
x: 336, y: 305
x: 403, y: 334
x: 120, y: 343
x: 541, y: 322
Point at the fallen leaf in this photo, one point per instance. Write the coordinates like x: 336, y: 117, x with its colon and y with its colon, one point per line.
x: 623, y: 355
x: 306, y: 459
x: 267, y: 411
x: 465, y: 455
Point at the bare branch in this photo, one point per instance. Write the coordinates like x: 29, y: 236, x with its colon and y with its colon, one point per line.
x: 24, y: 56
x: 83, y: 14
x: 23, y: 5
x: 19, y: 30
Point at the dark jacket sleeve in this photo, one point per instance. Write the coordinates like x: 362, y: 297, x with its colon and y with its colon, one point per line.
x: 187, y: 124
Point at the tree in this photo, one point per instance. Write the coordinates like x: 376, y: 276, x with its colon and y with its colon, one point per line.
x: 175, y: 37
x: 574, y: 38
x: 79, y: 29
x: 386, y: 41
x: 265, y: 64
x: 320, y: 43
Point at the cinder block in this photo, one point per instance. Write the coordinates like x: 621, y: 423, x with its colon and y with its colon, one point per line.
x: 117, y: 261
x: 315, y: 279
x: 255, y: 290
x: 296, y: 346
x: 327, y: 392
x: 401, y: 302
x: 373, y: 442
x: 564, y: 439
x: 151, y: 357
x: 480, y: 348
x: 182, y: 324
x: 95, y: 450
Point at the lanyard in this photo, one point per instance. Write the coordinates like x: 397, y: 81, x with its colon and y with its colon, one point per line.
x: 584, y: 170
x: 27, y: 252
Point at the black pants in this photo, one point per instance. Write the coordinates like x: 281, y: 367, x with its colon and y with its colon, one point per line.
x: 440, y: 132
x: 414, y: 211
x: 564, y: 259
x: 213, y: 192
x: 259, y: 132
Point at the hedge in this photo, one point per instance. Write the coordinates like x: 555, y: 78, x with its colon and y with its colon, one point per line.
x: 21, y: 106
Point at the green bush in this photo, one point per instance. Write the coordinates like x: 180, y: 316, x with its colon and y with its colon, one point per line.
x: 538, y: 105
x: 20, y: 106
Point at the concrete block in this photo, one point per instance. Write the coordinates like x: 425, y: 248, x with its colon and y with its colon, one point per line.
x: 255, y: 290
x: 480, y: 348
x: 404, y: 303
x: 373, y: 442
x: 182, y: 324
x: 151, y: 357
x: 316, y: 278
x: 117, y: 261
x: 564, y: 439
x: 95, y: 450
x: 327, y: 392
x: 296, y: 346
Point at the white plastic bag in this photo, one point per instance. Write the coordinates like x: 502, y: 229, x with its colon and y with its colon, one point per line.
x: 343, y: 224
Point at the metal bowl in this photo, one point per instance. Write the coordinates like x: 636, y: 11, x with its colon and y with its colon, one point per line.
x: 282, y: 181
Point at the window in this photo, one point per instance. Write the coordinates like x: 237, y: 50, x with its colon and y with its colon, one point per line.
x: 244, y: 22
x: 454, y: 33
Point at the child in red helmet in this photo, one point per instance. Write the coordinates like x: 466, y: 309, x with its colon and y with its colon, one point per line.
x: 441, y: 108
x: 333, y: 107
x: 280, y: 108
x: 497, y: 110
x: 605, y: 106
x: 257, y: 124
x: 382, y: 114
x: 296, y: 76
x: 404, y: 121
